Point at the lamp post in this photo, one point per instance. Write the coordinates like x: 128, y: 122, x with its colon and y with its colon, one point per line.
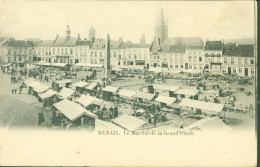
x: 159, y: 52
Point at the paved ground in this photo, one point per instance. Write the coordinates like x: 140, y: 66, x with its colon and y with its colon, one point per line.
x: 21, y: 110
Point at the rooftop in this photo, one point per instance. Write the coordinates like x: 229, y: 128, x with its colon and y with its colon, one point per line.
x: 214, y: 45
x: 238, y: 50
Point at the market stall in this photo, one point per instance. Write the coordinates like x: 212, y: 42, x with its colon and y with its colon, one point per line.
x: 65, y: 93
x: 126, y: 94
x: 59, y: 84
x: 86, y: 101
x: 48, y: 98
x: 80, y: 86
x: 109, y: 92
x: 186, y: 93
x: 200, y: 107
x: 75, y: 115
x: 165, y: 101
x: 40, y: 89
x: 144, y: 97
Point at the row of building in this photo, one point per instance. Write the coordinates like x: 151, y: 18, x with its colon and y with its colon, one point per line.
x: 163, y: 54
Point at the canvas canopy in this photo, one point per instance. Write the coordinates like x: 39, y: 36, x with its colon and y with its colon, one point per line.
x: 117, y: 69
x: 146, y: 96
x: 28, y: 81
x: 165, y: 99
x: 110, y: 89
x: 202, y: 105
x: 81, y: 84
x: 59, y: 64
x: 34, y: 84
x: 129, y: 122
x: 65, y: 93
x: 43, y: 63
x: 103, y: 125
x: 91, y: 86
x: 47, y: 94
x: 87, y: 100
x: 81, y: 65
x: 72, y: 110
x: 209, y: 124
x: 166, y: 87
x: 126, y: 93
x: 189, y: 92
x: 64, y: 81
x: 41, y: 88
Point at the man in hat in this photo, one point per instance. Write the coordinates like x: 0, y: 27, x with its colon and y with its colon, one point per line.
x: 40, y: 118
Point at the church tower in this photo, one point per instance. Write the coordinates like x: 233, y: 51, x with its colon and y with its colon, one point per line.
x: 142, y: 40
x: 161, y: 29
x: 68, y: 32
x: 92, y: 33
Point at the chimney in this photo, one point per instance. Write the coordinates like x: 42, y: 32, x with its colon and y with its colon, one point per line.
x: 78, y: 36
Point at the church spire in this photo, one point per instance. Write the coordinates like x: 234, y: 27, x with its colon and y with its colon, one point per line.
x: 68, y: 32
x: 161, y: 16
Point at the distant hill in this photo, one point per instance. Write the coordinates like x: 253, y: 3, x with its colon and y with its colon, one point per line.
x: 240, y: 41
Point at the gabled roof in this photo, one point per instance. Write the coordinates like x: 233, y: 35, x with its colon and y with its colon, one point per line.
x: 19, y: 43
x: 124, y: 45
x: 129, y: 122
x: 46, y: 43
x: 139, y: 46
x: 168, y: 48
x: 84, y: 42
x: 63, y: 41
x: 238, y: 51
x: 190, y: 41
x: 214, y: 45
x: 100, y: 44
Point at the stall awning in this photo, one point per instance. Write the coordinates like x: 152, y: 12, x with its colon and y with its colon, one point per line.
x: 110, y: 89
x: 129, y: 122
x: 166, y: 87
x: 103, y: 125
x: 41, y: 88
x: 201, y: 105
x: 91, y: 86
x: 189, y: 92
x: 65, y: 93
x: 165, y: 99
x: 64, y: 81
x: 47, y: 94
x: 117, y: 69
x: 81, y: 65
x: 6, y: 65
x: 146, y: 96
x: 87, y: 100
x: 34, y: 84
x: 59, y: 64
x: 209, y: 124
x: 43, y: 63
x: 81, y: 84
x: 72, y: 110
x: 28, y: 81
x: 126, y: 93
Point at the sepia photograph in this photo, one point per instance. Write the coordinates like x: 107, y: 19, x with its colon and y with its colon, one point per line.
x: 159, y: 73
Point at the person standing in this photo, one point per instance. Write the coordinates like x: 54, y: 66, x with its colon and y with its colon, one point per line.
x: 115, y: 112
x: 40, y: 118
x: 111, y: 112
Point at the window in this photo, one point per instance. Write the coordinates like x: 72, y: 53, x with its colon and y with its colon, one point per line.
x: 119, y: 63
x: 124, y: 63
x: 101, y: 54
x: 145, y: 56
x: 171, y: 66
x: 224, y: 70
x: 181, y: 58
x: 239, y: 61
x: 61, y: 50
x: 195, y: 66
x: 53, y: 51
x: 176, y: 58
x: 240, y: 70
x: 195, y: 58
x: 95, y: 61
x: 200, y: 66
x: 115, y: 54
x: 245, y: 61
x: 9, y: 51
x: 135, y: 56
x: 140, y: 57
x: 232, y: 60
x: 200, y: 58
x: 218, y: 59
x: 190, y: 58
x: 252, y: 61
x: 181, y: 66
x: 71, y: 52
x: 14, y: 58
x: 190, y: 66
x: 252, y: 71
x: 95, y: 54
x: 91, y: 61
x: 176, y: 66
x: 91, y: 54
x: 234, y: 70
x: 130, y: 56
x: 58, y: 51
x: 225, y: 60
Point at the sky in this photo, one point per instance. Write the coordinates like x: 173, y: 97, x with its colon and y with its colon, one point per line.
x: 44, y: 19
